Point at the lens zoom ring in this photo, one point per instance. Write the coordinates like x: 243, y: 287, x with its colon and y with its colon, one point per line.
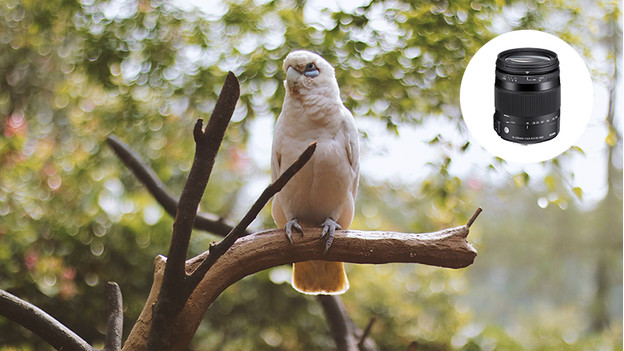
x: 527, y: 104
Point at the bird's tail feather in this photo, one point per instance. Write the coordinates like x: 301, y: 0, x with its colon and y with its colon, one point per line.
x: 320, y: 277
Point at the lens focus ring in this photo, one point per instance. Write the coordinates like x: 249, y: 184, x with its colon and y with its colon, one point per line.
x: 527, y: 104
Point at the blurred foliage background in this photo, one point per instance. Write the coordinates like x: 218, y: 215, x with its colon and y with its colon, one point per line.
x: 549, y: 271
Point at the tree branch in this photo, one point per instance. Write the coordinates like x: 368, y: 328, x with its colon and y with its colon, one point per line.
x: 346, y: 334
x: 263, y: 250
x: 114, y: 325
x: 55, y: 333
x: 175, y: 292
x: 340, y: 325
x: 42, y: 324
x: 207, y: 145
x: 474, y: 217
x: 364, y: 341
x: 204, y: 221
x: 273, y: 188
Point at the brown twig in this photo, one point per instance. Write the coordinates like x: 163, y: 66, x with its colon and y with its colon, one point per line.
x: 474, y: 217
x: 204, y: 221
x: 366, y: 332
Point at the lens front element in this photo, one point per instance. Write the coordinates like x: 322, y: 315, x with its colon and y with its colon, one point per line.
x: 526, y: 59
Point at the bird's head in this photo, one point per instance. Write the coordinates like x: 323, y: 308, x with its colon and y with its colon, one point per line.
x: 309, y: 73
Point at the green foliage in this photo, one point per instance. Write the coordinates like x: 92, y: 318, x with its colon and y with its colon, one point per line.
x: 73, y: 217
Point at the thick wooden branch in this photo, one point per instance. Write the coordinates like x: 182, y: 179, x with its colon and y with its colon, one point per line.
x: 263, y: 250
x: 207, y: 144
x: 42, y: 324
x: 175, y: 289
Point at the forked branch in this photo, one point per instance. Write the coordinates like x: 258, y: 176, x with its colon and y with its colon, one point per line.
x: 219, y: 249
x: 263, y: 250
x: 177, y: 284
x: 212, y: 223
x: 175, y: 288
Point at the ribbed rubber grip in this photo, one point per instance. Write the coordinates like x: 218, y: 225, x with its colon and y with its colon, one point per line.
x: 527, y: 104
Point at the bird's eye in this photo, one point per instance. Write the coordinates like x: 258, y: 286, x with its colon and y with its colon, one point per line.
x: 311, y: 70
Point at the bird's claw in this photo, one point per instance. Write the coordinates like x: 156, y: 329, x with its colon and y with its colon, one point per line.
x: 329, y: 229
x: 293, y: 223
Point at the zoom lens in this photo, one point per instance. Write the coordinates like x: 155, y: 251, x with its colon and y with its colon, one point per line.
x: 527, y: 95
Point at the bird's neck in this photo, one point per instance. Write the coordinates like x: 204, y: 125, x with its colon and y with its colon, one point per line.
x: 317, y: 108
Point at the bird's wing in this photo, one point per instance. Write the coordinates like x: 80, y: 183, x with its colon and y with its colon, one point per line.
x: 276, y: 155
x: 353, y: 147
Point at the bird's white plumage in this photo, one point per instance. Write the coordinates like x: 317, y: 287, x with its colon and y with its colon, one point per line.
x: 312, y: 111
x: 326, y: 186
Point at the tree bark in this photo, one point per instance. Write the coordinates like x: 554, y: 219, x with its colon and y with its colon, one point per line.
x: 340, y: 325
x: 54, y: 332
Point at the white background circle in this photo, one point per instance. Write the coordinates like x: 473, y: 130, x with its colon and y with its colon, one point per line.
x: 477, y: 97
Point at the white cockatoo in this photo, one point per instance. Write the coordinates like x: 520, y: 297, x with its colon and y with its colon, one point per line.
x: 323, y: 192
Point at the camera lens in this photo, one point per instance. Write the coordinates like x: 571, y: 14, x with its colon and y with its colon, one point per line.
x: 527, y: 95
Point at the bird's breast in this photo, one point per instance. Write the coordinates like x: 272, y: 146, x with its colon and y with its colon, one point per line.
x: 323, y: 187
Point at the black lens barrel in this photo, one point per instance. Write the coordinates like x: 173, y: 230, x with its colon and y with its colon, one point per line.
x: 527, y: 95
x: 527, y: 104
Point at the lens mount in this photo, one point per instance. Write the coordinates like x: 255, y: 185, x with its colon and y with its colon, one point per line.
x: 527, y: 95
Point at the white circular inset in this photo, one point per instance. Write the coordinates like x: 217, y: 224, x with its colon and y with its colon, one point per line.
x: 477, y: 97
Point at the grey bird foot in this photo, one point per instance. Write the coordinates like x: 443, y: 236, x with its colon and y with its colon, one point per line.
x: 293, y: 223
x: 329, y: 228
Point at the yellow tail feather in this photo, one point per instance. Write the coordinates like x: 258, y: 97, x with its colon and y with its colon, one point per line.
x: 320, y: 277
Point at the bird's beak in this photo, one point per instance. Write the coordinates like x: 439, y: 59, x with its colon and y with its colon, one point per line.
x: 293, y: 76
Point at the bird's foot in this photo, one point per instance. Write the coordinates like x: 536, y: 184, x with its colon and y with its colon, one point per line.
x: 329, y: 228
x: 293, y: 223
